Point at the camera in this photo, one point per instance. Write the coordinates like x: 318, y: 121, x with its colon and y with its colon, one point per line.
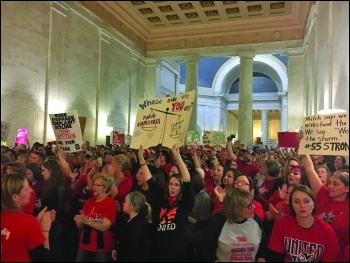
x: 232, y: 136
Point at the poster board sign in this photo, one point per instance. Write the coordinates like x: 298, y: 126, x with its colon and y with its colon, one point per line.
x: 326, y: 134
x: 194, y: 137
x: 288, y: 139
x: 214, y: 138
x: 5, y: 129
x: 22, y: 136
x: 162, y: 121
x: 67, y: 131
x: 118, y: 138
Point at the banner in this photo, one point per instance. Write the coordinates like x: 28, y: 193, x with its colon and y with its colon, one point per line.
x: 5, y: 129
x: 162, y: 121
x: 22, y: 136
x: 215, y: 138
x: 326, y: 134
x: 67, y: 131
x: 288, y: 139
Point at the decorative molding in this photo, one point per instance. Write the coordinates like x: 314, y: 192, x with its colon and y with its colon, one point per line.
x: 134, y: 22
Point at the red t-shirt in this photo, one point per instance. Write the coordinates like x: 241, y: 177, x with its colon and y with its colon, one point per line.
x: 335, y: 214
x: 20, y: 233
x: 96, y: 211
x: 317, y: 243
x: 124, y: 187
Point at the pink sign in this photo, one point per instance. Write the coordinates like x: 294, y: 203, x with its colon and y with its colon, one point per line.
x: 22, y: 136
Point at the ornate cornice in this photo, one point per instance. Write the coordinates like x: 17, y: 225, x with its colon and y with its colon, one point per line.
x: 242, y: 32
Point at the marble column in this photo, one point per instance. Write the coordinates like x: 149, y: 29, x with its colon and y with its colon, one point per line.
x: 284, y: 114
x: 151, y: 77
x: 263, y: 126
x: 245, y: 114
x: 192, y: 84
x: 297, y: 92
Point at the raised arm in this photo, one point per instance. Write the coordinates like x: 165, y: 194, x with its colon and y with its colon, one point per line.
x: 144, y: 168
x: 197, y: 165
x: 183, y: 170
x: 315, y: 181
x: 229, y: 149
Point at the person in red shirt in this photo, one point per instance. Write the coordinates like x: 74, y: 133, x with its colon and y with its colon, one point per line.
x: 332, y: 200
x: 95, y: 220
x: 122, y: 183
x: 302, y: 236
x: 24, y: 238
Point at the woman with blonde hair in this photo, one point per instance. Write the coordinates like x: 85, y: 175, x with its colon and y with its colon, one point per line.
x: 235, y: 233
x: 95, y: 220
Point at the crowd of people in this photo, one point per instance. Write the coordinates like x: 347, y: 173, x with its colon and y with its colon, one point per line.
x: 189, y: 204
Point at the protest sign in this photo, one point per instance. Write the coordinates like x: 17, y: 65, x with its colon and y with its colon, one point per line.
x: 5, y: 129
x: 67, y: 130
x: 162, y: 121
x: 288, y: 139
x: 326, y: 134
x: 216, y: 139
x: 118, y: 138
x: 22, y: 136
x: 194, y: 137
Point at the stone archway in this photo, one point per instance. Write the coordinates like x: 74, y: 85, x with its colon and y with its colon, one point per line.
x: 274, y: 68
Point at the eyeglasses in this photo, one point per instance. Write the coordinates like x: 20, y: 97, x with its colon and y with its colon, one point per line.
x: 250, y: 206
x: 244, y: 183
x: 97, y: 185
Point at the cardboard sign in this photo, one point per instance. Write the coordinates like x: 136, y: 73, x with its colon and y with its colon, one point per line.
x: 288, y: 139
x: 326, y: 134
x: 162, y: 121
x: 67, y: 131
x: 5, y: 129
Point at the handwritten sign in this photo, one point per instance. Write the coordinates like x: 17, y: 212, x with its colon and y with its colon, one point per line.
x: 194, y: 137
x: 5, y: 129
x: 67, y: 130
x: 22, y: 136
x: 162, y: 121
x: 326, y: 134
x: 214, y: 138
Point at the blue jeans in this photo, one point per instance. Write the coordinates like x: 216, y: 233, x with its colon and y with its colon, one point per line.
x: 89, y: 256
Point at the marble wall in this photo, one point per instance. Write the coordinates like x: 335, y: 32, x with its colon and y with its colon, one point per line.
x: 57, y: 57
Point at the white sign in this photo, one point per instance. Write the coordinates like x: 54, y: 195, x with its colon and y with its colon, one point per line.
x: 326, y: 134
x: 67, y: 131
